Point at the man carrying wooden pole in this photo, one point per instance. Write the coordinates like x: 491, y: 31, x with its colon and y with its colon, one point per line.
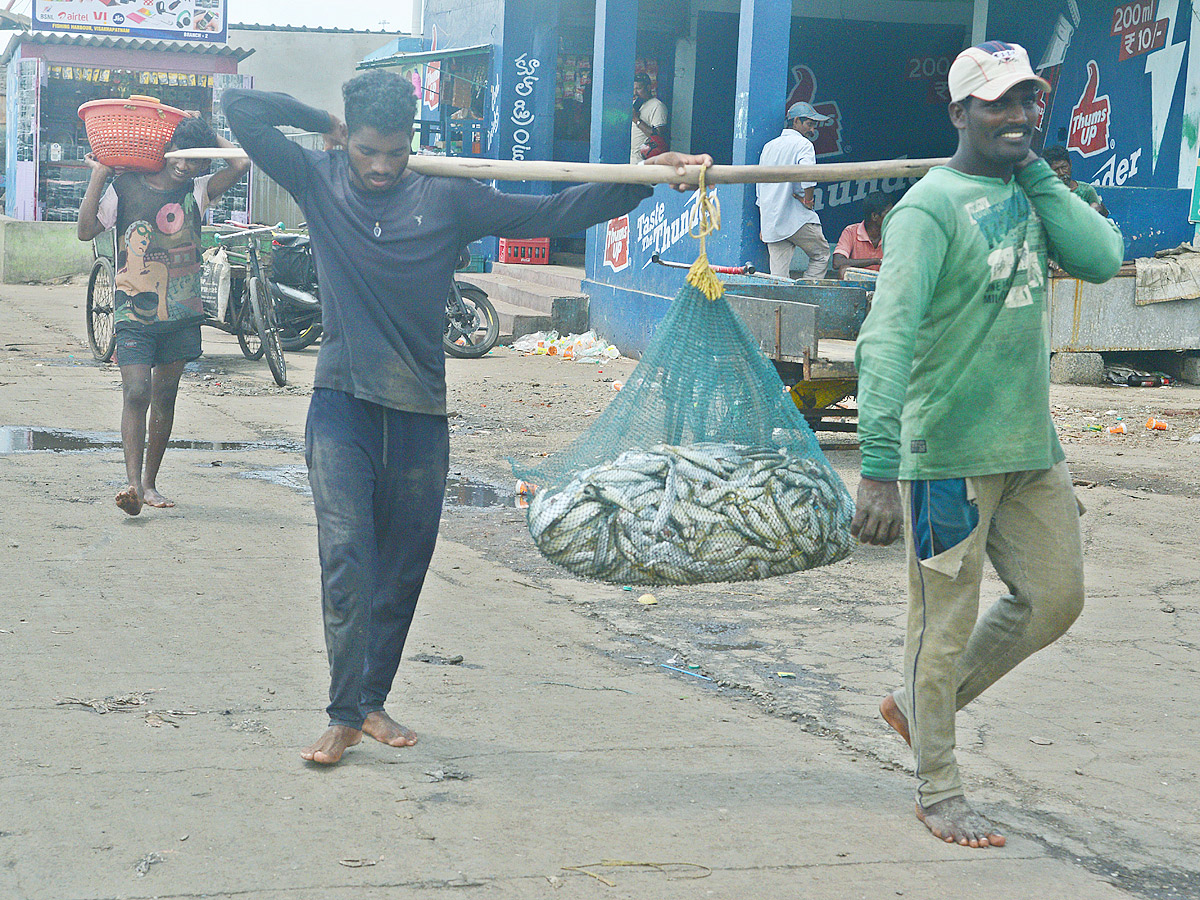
x: 386, y: 240
x: 959, y: 451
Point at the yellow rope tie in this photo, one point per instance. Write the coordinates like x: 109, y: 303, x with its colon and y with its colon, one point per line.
x: 700, y: 275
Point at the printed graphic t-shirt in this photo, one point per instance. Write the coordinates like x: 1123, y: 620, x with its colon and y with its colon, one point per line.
x: 954, y: 357
x: 158, y: 251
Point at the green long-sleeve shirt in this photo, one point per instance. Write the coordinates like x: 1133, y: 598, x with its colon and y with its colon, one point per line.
x: 1085, y: 192
x: 953, y: 359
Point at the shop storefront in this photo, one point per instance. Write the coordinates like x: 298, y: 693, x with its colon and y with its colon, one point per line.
x: 454, y: 97
x: 1124, y: 105
x: 573, y: 93
x: 51, y: 76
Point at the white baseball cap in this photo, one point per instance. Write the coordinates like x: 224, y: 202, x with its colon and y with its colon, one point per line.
x: 990, y: 70
x: 804, y: 110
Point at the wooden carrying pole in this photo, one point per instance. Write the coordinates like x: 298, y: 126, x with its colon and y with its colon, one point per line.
x: 550, y: 170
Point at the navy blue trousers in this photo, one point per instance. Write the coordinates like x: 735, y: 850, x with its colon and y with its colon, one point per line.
x: 378, y: 477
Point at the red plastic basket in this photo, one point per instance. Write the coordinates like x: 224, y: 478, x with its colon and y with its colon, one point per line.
x: 525, y: 251
x: 130, y: 134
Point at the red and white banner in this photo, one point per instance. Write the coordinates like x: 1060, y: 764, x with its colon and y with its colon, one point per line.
x: 616, y: 244
x: 1088, y: 134
x: 1140, y: 32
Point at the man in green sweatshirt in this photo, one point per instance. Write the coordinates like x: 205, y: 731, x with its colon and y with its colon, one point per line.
x: 959, y: 451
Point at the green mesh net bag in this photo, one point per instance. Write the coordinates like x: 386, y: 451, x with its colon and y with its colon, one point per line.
x: 700, y: 470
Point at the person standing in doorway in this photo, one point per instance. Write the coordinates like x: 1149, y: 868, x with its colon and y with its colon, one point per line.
x: 158, y: 309
x: 386, y: 241
x: 787, y: 217
x: 648, y: 132
x: 959, y: 452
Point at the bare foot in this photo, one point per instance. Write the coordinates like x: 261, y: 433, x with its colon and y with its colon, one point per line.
x: 331, y: 745
x: 129, y: 501
x: 955, y: 822
x: 387, y: 730
x: 892, y: 715
x: 151, y: 497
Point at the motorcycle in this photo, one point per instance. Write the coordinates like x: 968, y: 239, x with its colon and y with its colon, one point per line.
x: 297, y: 295
x: 472, y: 326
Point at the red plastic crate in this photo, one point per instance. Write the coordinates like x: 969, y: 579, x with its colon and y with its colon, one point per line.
x: 525, y: 251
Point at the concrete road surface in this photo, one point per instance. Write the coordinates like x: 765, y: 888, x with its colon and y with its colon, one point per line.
x: 159, y: 674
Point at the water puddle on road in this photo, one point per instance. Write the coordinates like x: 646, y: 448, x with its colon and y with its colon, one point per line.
x: 23, y: 439
x: 294, y: 477
x: 460, y: 490
x: 464, y: 491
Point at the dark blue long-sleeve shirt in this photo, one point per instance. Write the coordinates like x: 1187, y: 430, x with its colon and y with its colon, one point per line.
x: 384, y: 298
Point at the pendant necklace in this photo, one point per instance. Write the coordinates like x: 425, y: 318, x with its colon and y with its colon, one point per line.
x: 378, y: 231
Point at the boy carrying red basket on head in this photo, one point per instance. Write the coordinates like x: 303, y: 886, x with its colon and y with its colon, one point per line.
x: 157, y: 305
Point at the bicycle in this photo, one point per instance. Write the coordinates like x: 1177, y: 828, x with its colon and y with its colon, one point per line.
x: 261, y: 305
x: 101, y: 296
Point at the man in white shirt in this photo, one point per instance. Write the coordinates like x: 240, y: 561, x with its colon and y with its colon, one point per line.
x: 786, y: 212
x: 649, y: 120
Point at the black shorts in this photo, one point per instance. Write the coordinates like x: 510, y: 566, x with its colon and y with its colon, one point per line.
x: 142, y: 347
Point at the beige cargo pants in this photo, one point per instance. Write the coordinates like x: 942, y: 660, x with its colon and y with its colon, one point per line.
x: 1028, y: 526
x: 809, y: 238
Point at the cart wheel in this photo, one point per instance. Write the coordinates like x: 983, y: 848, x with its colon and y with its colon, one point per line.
x: 101, y: 294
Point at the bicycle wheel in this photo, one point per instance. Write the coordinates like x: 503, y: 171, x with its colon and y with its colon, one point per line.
x: 472, y: 326
x: 101, y: 295
x: 247, y: 329
x: 264, y: 303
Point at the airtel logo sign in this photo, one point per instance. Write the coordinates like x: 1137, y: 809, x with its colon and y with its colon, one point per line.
x: 1089, y: 117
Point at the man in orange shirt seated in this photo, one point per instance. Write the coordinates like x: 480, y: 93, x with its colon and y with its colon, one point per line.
x: 861, y: 244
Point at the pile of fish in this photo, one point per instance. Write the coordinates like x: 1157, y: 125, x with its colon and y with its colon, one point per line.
x: 701, y: 513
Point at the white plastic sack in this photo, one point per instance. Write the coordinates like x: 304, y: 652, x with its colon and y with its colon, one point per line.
x: 217, y: 267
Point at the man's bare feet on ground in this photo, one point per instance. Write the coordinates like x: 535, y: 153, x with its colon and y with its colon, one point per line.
x: 955, y: 822
x: 129, y: 501
x: 151, y: 497
x: 892, y: 715
x: 387, y: 730
x: 331, y: 745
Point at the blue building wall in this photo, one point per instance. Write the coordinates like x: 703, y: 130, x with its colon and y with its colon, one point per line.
x: 1121, y: 118
x: 524, y: 112
x: 887, y: 98
x: 1120, y: 84
x: 465, y: 23
x: 629, y: 293
x: 1151, y: 219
